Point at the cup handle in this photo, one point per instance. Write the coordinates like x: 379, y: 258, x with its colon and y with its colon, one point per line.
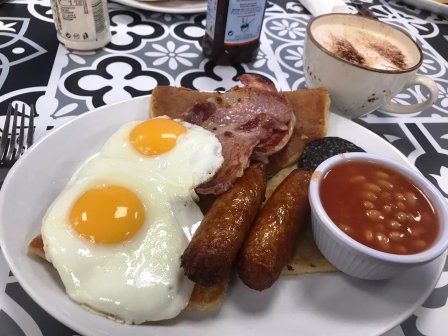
x: 405, y: 109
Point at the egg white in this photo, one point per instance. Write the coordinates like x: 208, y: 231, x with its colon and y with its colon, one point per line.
x: 135, y: 281
x: 194, y: 159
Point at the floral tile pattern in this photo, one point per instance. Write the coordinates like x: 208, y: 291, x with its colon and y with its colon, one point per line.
x: 149, y: 49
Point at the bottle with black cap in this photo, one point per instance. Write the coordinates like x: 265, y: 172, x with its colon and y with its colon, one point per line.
x: 232, y: 31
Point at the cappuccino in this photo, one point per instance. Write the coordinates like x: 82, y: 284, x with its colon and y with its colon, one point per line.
x: 364, y: 64
x: 364, y: 47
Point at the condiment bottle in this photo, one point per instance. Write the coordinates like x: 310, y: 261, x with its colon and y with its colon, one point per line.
x: 82, y: 24
x: 232, y: 30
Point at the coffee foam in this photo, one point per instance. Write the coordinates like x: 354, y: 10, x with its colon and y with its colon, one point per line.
x: 363, y: 47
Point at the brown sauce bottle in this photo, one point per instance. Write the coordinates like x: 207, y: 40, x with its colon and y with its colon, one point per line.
x: 232, y: 32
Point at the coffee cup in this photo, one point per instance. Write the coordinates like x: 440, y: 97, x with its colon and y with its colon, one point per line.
x: 364, y: 63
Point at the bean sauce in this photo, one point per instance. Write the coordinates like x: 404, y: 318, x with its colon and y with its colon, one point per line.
x: 379, y: 207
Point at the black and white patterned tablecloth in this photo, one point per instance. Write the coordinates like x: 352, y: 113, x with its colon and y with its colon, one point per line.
x: 150, y: 49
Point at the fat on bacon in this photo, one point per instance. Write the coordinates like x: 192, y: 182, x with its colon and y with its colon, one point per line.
x: 251, y: 122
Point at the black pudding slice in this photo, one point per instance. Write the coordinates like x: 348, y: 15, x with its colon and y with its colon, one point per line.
x: 319, y: 150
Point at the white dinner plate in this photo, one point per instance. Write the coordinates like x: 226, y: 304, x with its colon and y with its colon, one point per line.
x: 433, y: 6
x: 325, y: 304
x: 168, y: 6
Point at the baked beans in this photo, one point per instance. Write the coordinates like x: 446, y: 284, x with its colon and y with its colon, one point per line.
x: 379, y: 207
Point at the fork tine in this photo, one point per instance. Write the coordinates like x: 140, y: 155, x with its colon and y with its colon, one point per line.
x: 12, y: 140
x: 5, y: 133
x: 21, y: 134
x: 29, y: 139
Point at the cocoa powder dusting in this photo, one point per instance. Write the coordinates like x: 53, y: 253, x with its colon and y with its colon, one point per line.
x: 390, y: 52
x: 345, y: 50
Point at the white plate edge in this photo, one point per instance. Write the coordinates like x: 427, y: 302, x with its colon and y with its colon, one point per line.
x: 73, y: 324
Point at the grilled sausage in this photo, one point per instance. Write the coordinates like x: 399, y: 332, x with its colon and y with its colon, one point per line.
x: 271, y: 240
x: 216, y: 243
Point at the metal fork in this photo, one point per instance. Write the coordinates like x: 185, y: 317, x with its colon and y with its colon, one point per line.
x: 12, y: 148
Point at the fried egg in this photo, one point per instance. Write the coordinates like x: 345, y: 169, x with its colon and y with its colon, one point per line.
x: 184, y: 153
x: 115, y: 234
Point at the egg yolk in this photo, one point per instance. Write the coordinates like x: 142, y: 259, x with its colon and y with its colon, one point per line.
x: 107, y: 215
x: 156, y: 136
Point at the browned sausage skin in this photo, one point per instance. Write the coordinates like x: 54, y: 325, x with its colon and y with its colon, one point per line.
x: 271, y: 240
x: 215, y: 245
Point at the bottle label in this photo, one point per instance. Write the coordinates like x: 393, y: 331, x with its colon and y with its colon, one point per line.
x: 244, y: 21
x: 81, y: 21
x: 212, y: 7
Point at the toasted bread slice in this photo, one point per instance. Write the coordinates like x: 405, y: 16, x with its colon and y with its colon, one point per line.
x: 36, y: 247
x: 310, y: 106
x: 173, y: 101
x: 208, y: 298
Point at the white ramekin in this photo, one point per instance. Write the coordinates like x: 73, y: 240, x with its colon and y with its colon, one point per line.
x: 356, y: 259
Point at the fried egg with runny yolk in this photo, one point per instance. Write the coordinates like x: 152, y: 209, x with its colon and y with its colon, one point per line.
x: 182, y: 152
x: 114, y: 234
